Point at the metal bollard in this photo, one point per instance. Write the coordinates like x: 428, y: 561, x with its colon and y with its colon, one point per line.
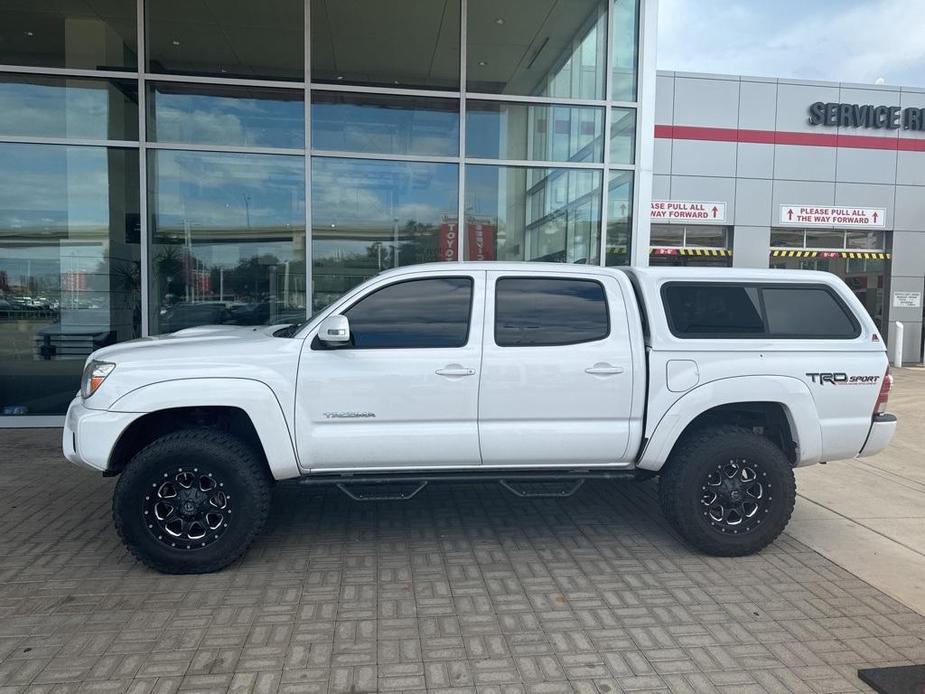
x: 898, y: 345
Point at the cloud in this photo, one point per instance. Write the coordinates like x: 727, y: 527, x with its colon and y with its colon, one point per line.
x: 838, y: 40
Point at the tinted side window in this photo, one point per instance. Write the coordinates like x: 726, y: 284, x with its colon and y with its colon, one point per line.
x: 418, y: 313
x: 532, y: 312
x: 715, y: 309
x: 807, y: 312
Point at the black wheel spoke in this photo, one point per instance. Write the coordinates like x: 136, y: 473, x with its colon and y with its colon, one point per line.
x: 733, y: 496
x: 189, y: 510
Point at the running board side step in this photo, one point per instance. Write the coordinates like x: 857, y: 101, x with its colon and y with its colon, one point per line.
x: 561, y: 489
x: 522, y: 484
x: 398, y: 493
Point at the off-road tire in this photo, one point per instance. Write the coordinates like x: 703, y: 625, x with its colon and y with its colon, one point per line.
x: 684, y: 490
x: 244, y: 480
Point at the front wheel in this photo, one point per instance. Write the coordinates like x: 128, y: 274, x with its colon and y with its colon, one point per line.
x: 191, y: 501
x: 728, y: 491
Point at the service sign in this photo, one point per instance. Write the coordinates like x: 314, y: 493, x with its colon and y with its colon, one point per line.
x: 691, y: 211
x: 822, y: 216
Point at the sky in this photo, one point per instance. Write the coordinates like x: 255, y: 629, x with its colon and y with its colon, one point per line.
x: 836, y: 40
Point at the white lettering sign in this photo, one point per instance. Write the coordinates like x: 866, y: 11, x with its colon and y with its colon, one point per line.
x: 907, y: 299
x: 693, y: 211
x: 820, y: 216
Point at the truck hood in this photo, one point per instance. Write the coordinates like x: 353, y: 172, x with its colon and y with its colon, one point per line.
x: 203, y: 337
x: 207, y: 352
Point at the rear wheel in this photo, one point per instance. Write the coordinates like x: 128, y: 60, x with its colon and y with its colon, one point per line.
x: 728, y: 491
x: 191, y: 501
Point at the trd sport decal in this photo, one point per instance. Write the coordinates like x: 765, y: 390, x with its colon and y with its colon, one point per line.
x: 842, y: 379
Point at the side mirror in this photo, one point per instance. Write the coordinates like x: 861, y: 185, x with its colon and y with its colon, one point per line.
x: 334, y: 330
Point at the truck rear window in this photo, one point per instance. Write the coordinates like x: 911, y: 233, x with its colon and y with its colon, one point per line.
x: 725, y: 310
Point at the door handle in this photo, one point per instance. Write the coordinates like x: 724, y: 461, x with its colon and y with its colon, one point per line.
x: 604, y: 369
x: 454, y: 370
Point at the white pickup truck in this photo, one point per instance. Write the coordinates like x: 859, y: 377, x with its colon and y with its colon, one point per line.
x: 720, y: 382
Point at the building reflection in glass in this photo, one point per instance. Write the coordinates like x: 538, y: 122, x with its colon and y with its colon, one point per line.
x: 619, y: 217
x: 228, y: 239
x: 506, y: 130
x: 39, y: 106
x: 544, y: 214
x: 371, y: 215
x: 212, y: 115
x: 385, y: 124
x: 69, y: 267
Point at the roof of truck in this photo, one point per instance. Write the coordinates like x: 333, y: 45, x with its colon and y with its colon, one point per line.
x: 713, y: 274
x: 645, y: 274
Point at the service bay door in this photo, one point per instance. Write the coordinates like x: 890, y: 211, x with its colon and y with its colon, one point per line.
x: 557, y: 370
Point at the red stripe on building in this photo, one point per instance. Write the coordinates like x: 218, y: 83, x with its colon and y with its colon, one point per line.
x: 780, y: 137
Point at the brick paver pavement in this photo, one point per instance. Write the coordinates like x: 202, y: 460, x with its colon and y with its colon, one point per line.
x: 464, y: 588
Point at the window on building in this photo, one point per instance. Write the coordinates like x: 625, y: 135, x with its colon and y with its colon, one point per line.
x: 625, y: 39
x: 88, y: 109
x: 222, y: 115
x: 537, y: 312
x: 258, y: 40
x: 425, y: 313
x: 371, y: 215
x: 619, y: 217
x: 69, y: 267
x: 506, y: 130
x: 555, y: 49
x: 399, y: 43
x: 227, y: 239
x: 385, y: 124
x: 526, y: 213
x: 700, y: 245
x: 84, y: 35
x: 860, y: 258
x: 623, y: 136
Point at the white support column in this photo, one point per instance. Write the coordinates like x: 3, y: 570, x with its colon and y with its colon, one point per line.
x: 645, y: 132
x: 144, y: 256
x: 309, y: 290
x: 461, y: 227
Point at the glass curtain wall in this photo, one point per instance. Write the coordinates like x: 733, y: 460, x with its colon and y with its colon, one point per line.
x: 165, y: 164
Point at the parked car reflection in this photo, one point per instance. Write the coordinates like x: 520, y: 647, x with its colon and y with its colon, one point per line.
x: 188, y: 315
x: 184, y: 314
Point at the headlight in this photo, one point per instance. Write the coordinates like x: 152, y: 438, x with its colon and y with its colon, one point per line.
x: 94, y: 375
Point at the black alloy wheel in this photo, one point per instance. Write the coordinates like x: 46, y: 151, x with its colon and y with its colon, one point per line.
x: 727, y: 490
x: 189, y: 509
x: 736, y: 494
x: 192, y: 501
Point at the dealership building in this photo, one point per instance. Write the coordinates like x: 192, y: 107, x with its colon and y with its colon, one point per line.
x: 783, y: 173
x: 167, y: 164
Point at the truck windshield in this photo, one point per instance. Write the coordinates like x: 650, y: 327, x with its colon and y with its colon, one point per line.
x: 292, y: 330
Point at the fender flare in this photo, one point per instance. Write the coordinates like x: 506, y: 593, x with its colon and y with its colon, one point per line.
x: 255, y: 398
x: 791, y: 393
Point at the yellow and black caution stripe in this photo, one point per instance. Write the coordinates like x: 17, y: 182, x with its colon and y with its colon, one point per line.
x: 673, y: 250
x: 724, y: 252
x: 865, y: 255
x: 853, y: 255
x: 794, y: 254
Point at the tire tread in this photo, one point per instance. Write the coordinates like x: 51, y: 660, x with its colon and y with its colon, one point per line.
x: 256, y: 478
x: 671, y: 481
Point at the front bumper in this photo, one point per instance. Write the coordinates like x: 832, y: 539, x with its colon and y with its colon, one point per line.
x: 881, y: 431
x: 90, y: 435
